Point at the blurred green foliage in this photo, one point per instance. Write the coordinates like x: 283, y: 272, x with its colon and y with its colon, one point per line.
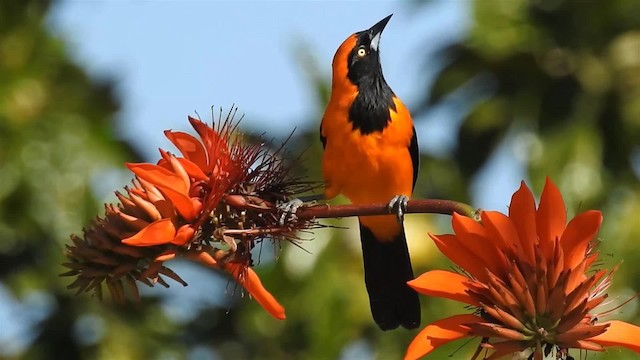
x: 555, y: 81
x: 56, y: 139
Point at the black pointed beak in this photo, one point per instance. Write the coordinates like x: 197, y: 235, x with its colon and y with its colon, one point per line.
x: 376, y: 30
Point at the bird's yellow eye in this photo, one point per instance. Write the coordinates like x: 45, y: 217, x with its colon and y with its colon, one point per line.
x: 361, y: 52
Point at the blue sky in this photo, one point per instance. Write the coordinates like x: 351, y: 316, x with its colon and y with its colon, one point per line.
x: 171, y: 58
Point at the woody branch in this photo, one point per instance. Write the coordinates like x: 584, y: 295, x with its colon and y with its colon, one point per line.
x: 325, y: 211
x: 429, y: 206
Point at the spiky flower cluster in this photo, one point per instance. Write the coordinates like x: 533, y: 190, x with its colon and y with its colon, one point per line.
x: 528, y: 275
x: 212, y: 204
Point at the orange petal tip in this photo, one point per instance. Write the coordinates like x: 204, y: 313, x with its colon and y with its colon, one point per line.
x: 443, y: 284
x: 619, y: 333
x: 439, y: 333
x: 159, y: 232
x: 183, y: 236
x: 251, y: 282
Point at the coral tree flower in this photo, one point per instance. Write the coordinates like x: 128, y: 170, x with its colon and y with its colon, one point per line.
x: 527, y: 275
x: 220, y: 191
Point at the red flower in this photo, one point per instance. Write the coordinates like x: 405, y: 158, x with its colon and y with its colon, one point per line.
x: 181, y: 185
x: 220, y: 191
x: 527, y: 275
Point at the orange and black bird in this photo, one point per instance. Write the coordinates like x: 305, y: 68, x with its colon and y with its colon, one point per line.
x: 371, y: 156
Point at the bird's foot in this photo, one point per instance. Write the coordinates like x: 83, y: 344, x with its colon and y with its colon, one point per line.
x: 289, y: 210
x: 398, y: 205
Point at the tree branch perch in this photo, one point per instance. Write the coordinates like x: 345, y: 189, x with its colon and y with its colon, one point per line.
x: 430, y: 206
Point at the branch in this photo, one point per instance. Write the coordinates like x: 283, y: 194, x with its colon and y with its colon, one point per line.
x: 430, y: 206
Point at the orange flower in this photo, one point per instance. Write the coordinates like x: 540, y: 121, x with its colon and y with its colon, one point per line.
x: 220, y: 191
x: 527, y: 275
x: 249, y: 280
x: 183, y: 184
x: 179, y: 187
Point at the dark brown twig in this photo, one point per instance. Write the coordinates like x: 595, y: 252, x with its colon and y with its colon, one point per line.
x: 430, y: 206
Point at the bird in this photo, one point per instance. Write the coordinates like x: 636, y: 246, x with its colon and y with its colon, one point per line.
x: 371, y: 156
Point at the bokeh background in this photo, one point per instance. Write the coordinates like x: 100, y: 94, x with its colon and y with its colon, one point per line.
x: 501, y: 90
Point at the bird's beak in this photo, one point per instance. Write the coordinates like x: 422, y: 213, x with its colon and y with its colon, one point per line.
x: 376, y: 30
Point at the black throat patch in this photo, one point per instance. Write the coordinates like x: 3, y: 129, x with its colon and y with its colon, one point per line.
x: 370, y: 109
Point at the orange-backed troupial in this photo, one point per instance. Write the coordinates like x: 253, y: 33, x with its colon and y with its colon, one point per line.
x: 371, y: 156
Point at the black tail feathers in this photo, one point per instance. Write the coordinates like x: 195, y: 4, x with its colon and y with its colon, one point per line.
x: 387, y: 268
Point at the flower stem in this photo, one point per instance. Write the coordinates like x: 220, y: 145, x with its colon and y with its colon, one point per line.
x: 429, y: 206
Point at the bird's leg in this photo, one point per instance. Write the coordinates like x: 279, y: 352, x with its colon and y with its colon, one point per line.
x: 398, y: 205
x: 290, y: 207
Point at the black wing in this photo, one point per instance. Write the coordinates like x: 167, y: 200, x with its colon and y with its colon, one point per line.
x: 324, y: 139
x: 415, y: 156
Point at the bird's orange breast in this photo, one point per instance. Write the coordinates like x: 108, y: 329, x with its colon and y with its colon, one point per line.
x: 370, y: 168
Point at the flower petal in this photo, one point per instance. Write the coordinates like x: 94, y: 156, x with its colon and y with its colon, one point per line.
x: 619, y: 333
x: 451, y: 247
x: 466, y: 225
x: 159, y: 176
x: 522, y: 212
x: 157, y: 233
x: 202, y: 257
x: 183, y: 236
x: 577, y: 236
x: 192, y: 169
x: 215, y: 145
x: 440, y: 332
x: 477, y: 241
x: 251, y: 282
x: 184, y: 205
x: 500, y: 229
x: 444, y: 284
x: 503, y: 348
x: 551, y: 217
x: 501, y: 241
x: 190, y: 147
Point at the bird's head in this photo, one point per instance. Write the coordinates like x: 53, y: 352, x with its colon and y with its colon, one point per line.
x: 358, y: 59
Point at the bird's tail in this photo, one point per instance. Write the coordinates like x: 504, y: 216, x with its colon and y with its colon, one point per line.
x: 387, y: 268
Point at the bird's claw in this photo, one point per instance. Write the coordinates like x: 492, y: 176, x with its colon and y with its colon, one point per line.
x: 288, y: 210
x: 398, y: 205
